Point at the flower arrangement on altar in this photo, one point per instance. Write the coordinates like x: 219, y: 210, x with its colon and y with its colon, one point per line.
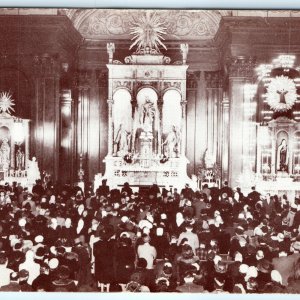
x: 208, y: 171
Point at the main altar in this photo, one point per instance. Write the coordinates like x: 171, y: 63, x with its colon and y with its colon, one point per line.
x: 146, y: 113
x: 14, y: 143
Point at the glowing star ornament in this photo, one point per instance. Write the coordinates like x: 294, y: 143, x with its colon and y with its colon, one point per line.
x: 6, y: 103
x: 148, y: 33
x: 281, y: 93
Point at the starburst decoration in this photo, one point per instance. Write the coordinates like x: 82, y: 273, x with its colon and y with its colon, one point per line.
x: 148, y: 31
x: 6, y: 103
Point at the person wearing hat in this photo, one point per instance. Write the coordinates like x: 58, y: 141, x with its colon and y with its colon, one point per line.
x: 63, y: 283
x: 23, y: 281
x: 275, y: 286
x: 83, y: 273
x: 125, y: 258
x: 188, y: 285
x: 44, y: 280
x: 29, y: 201
x: 285, y: 265
x: 104, y: 252
x: 264, y: 268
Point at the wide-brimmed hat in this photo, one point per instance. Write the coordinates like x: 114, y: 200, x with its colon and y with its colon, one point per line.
x: 296, y: 245
x: 264, y: 266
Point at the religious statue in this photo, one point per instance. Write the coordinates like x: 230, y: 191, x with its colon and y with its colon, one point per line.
x: 282, y: 156
x: 172, y: 143
x: 122, y: 140
x: 5, y: 154
x: 20, y: 160
x: 147, y: 115
x: 33, y: 172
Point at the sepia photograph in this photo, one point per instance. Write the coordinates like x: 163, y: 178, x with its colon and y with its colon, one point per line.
x: 149, y: 150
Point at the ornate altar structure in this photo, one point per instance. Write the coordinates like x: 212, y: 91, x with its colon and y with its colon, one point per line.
x: 14, y: 143
x: 278, y: 157
x: 147, y: 115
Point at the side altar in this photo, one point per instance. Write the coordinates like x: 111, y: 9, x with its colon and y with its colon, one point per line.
x: 146, y: 113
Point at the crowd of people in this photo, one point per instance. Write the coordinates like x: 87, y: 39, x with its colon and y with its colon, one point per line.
x: 215, y: 240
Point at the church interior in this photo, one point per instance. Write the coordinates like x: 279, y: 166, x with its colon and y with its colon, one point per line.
x: 225, y: 81
x: 149, y: 150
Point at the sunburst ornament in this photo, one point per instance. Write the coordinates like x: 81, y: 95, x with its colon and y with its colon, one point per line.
x: 148, y: 33
x: 281, y: 93
x: 6, y: 103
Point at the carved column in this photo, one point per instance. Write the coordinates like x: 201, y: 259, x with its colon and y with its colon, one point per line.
x: 83, y: 116
x: 45, y: 137
x: 225, y: 137
x: 214, y: 91
x: 241, y: 70
x: 183, y: 128
x: 110, y: 103
x: 66, y: 135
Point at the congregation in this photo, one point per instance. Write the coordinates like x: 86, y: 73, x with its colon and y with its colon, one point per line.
x: 215, y: 240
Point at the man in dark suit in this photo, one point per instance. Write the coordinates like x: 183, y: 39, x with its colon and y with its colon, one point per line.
x: 268, y: 204
x: 254, y: 195
x: 103, y: 190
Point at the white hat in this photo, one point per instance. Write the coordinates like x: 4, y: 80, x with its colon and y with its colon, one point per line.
x: 280, y: 236
x: 53, y: 263
x: 168, y: 264
x: 196, y: 265
x: 159, y: 231
x: 251, y: 273
x: 238, y: 257
x: 260, y: 254
x: 243, y: 268
x: 53, y: 250
x: 163, y: 216
x: 22, y: 222
x: 217, y: 259
x: 146, y: 230
x: 124, y: 219
x: 276, y: 276
x: 125, y: 233
x: 15, y: 241
x: 39, y: 239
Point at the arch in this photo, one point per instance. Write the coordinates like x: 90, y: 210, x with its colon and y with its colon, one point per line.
x: 146, y: 92
x: 172, y: 111
x: 122, y: 110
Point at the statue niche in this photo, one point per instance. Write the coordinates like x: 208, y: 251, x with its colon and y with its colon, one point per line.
x: 122, y: 122
x: 146, y: 131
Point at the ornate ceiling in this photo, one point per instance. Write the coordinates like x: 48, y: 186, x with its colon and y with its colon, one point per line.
x: 109, y: 24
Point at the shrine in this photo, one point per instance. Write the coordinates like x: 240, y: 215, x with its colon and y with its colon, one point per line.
x: 147, y: 117
x: 14, y: 149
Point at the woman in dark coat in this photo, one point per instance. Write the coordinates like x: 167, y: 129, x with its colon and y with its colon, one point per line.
x: 104, y: 258
x: 125, y: 258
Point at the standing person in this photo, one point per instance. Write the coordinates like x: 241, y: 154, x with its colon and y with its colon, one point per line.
x: 31, y: 266
x: 125, y: 258
x: 104, y: 252
x: 192, y: 238
x: 84, y: 263
x: 4, y: 271
x: 147, y: 251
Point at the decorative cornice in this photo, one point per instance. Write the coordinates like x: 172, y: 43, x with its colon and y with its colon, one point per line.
x: 214, y: 79
x: 241, y: 67
x: 46, y: 65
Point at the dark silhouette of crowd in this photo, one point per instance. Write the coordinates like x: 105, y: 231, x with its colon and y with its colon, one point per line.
x: 215, y: 240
